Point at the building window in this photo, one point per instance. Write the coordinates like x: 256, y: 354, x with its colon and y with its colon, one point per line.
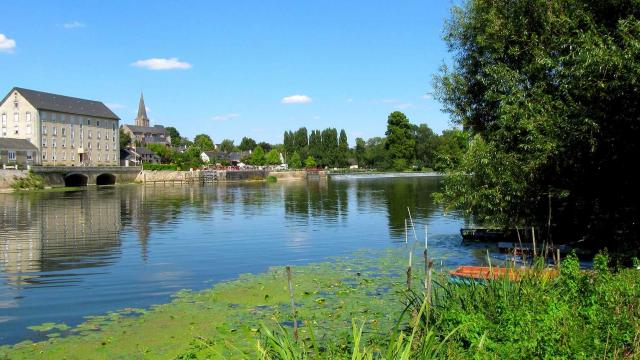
x: 88, y: 121
x: 29, y: 129
x: 64, y: 155
x: 73, y: 132
x: 44, y: 142
x: 106, y: 146
x: 44, y: 129
x: 63, y: 130
x: 28, y: 117
x: 114, y: 157
x: 55, y: 130
x: 89, y: 145
x: 106, y: 135
x: 90, y: 134
x: 97, y: 122
x: 53, y: 156
x: 98, y: 145
x: 99, y: 134
x: 44, y: 155
x: 99, y: 157
x: 29, y: 156
x: 12, y: 155
x: 4, y: 120
x: 73, y: 156
x: 53, y: 116
x: 16, y: 117
x: 53, y: 143
x: 64, y: 142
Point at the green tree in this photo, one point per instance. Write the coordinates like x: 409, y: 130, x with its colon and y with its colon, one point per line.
x: 247, y: 144
x: 125, y: 139
x: 227, y: 146
x: 400, y: 142
x: 360, y: 151
x: 426, y: 146
x: 343, y: 149
x: 167, y: 154
x: 548, y: 92
x: 310, y: 162
x: 450, y: 148
x: 315, y: 145
x: 295, y: 162
x: 190, y: 158
x: 272, y: 157
x: 329, y: 147
x: 265, y: 146
x: 176, y: 139
x: 257, y: 156
x: 204, y: 142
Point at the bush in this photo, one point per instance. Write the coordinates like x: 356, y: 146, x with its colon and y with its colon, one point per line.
x: 30, y: 182
x: 272, y: 179
x: 171, y: 167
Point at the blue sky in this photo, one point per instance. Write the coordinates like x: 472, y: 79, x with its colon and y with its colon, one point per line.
x: 234, y: 68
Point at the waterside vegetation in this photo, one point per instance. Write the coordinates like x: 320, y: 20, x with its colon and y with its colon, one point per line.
x: 359, y: 308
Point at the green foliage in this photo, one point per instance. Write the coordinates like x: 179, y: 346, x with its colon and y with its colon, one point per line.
x: 125, y: 139
x: 426, y: 145
x: 176, y: 139
x: 272, y: 179
x: 227, y: 146
x: 257, y: 156
x: 167, y: 154
x: 247, y: 144
x: 204, y: 142
x: 159, y: 167
x: 30, y: 182
x: 545, y: 88
x: 190, y: 158
x: 343, y: 150
x: 272, y: 157
x: 295, y: 162
x: 400, y: 142
x: 310, y: 162
x: 360, y: 151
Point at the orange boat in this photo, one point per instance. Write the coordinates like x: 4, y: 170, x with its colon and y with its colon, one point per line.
x: 493, y: 273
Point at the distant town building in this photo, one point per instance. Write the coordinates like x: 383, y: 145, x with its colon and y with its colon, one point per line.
x: 18, y: 152
x: 66, y: 131
x: 142, y: 132
x: 233, y: 158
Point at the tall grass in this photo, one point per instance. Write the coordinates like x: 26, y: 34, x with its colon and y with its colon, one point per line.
x: 578, y: 314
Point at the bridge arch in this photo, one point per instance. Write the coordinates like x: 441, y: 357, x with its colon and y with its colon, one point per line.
x: 106, y: 179
x: 73, y: 180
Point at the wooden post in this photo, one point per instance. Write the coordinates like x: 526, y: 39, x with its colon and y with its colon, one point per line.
x: 558, y: 252
x: 406, y: 234
x: 415, y: 236
x: 533, y: 236
x: 293, y: 305
x: 409, y: 271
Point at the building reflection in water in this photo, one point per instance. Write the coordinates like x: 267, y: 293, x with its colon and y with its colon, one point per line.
x: 44, y: 233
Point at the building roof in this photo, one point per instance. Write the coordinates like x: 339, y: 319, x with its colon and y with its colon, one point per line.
x: 66, y: 104
x: 157, y: 129
x: 142, y: 117
x: 17, y: 144
x: 140, y: 150
x: 211, y: 154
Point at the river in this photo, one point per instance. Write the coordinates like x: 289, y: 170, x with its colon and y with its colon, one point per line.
x: 67, y: 255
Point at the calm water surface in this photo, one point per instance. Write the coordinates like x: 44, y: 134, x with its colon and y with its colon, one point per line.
x: 66, y: 255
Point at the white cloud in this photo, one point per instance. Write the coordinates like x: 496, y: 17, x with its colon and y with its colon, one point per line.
x: 225, y: 117
x: 73, y: 25
x: 296, y: 99
x: 162, y: 64
x: 7, y: 45
x: 403, y: 106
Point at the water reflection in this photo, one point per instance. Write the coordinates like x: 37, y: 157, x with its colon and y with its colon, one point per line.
x: 64, y: 255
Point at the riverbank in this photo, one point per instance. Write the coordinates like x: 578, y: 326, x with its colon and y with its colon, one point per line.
x: 576, y: 314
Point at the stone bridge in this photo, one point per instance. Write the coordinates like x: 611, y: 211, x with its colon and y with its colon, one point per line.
x: 83, y: 176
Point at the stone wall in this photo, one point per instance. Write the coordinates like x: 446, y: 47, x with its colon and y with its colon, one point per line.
x: 289, y: 175
x: 7, y: 177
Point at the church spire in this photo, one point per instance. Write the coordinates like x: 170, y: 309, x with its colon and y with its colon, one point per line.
x: 142, y: 119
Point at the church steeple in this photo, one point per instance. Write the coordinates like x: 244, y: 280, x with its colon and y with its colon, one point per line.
x: 142, y: 119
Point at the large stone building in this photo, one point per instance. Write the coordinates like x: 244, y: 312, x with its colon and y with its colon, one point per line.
x: 142, y: 132
x: 67, y: 131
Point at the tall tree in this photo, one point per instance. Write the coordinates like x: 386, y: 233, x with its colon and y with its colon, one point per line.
x: 329, y: 147
x: 227, y: 146
x: 247, y: 144
x: 315, y: 145
x: 360, y: 152
x: 295, y: 162
x: 204, y: 142
x: 426, y: 146
x: 548, y: 91
x: 125, y: 139
x: 400, y: 142
x: 343, y: 149
x: 272, y: 157
x: 301, y: 140
x: 257, y: 156
x: 176, y: 139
